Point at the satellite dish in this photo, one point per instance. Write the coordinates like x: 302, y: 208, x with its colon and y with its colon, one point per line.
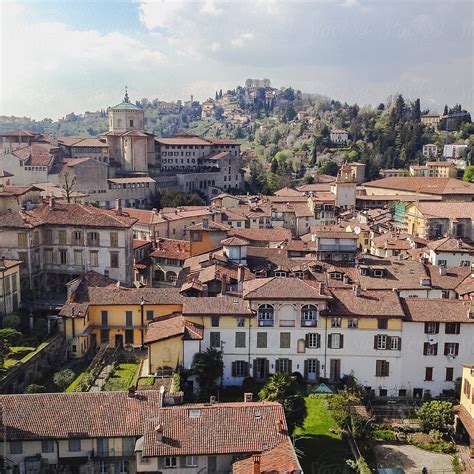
x: 357, y: 230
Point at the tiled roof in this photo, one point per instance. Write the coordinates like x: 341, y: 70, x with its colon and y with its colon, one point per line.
x: 140, y: 243
x: 466, y: 419
x: 221, y: 428
x: 223, y: 141
x: 19, y: 133
x: 91, y: 142
x: 236, y: 241
x: 414, y: 184
x: 466, y: 286
x: 67, y: 214
x: 7, y: 263
x: 169, y: 248
x: 282, y: 288
x: 370, y: 303
x: 450, y: 244
x: 173, y: 325
x: 446, y: 210
x: 221, y: 305
x: 262, y: 235
x: 216, y: 272
x: 288, y: 192
x: 76, y: 415
x: 449, y: 278
x: 17, y: 190
x: 424, y: 309
x: 138, y: 179
x: 211, y: 227
x: 183, y: 140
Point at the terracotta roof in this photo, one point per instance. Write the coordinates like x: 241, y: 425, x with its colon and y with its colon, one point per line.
x: 466, y: 419
x: 7, y: 263
x: 262, y: 235
x: 236, y: 241
x: 169, y: 248
x: 216, y: 271
x: 140, y: 243
x: 19, y: 133
x: 183, y: 140
x: 424, y: 309
x: 288, y: 192
x: 173, y: 325
x: 221, y: 305
x: 90, y: 142
x: 76, y: 415
x: 137, y: 179
x: 66, y: 214
x: 223, y: 141
x: 279, y: 460
x: 373, y: 303
x: 221, y: 428
x: 450, y: 244
x: 211, y: 227
x: 282, y: 288
x: 439, y: 163
x: 449, y: 278
x: 217, y: 156
x: 391, y: 241
x: 143, y: 216
x: 466, y: 286
x: 446, y: 210
x: 423, y: 185
x: 17, y: 190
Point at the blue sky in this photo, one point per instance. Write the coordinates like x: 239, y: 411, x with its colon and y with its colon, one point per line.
x: 63, y: 56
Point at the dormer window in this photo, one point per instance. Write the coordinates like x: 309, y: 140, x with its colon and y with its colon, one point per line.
x: 336, y: 275
x: 378, y: 273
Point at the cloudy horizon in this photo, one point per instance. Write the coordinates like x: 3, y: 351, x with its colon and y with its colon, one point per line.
x: 73, y: 56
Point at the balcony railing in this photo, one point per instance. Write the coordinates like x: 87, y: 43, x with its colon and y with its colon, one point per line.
x: 265, y: 322
x: 309, y: 323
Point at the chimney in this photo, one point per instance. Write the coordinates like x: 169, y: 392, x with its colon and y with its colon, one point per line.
x: 356, y: 289
x: 224, y: 285
x: 442, y: 270
x: 205, y: 223
x: 217, y: 217
x: 256, y: 464
x: 118, y: 206
x: 205, y: 290
x: 212, y: 400
x: 159, y: 433
x: 51, y: 201
x: 240, y: 278
x: 279, y: 426
x: 248, y: 397
x: 132, y: 393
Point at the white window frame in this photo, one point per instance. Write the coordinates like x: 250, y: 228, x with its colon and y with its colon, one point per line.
x: 336, y: 337
x: 381, y: 342
x: 171, y: 462
x: 352, y: 323
x: 312, y: 340
x: 394, y: 344
x: 336, y: 322
x: 192, y: 461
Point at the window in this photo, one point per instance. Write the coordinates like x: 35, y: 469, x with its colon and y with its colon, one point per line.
x: 129, y: 336
x: 261, y: 340
x: 309, y: 315
x: 453, y: 328
x: 240, y: 368
x: 402, y: 392
x: 171, y: 461
x: 77, y: 237
x: 428, y: 374
x: 313, y: 340
x: 451, y: 349
x: 16, y: 447
x: 240, y: 322
x: 128, y: 318
x: 382, y: 323
x: 93, y: 239
x: 63, y: 257
x: 445, y: 294
x: 74, y: 445
x: 114, y: 259
x: 22, y: 240
x: 78, y: 258
x: 150, y: 315
x: 104, y: 336
x: 283, y: 365
x: 171, y: 277
x: 352, y: 323
x: 215, y: 321
x: 196, y: 236
x: 381, y: 342
x: 48, y: 256
x: 430, y: 349
x: 336, y: 322
x: 191, y: 461
x: 48, y: 237
x: 449, y: 374
x: 47, y: 446
x: 335, y: 341
x: 239, y: 339
x: 280, y: 274
x: 215, y: 339
x: 442, y: 263
x: 285, y: 340
x: 123, y: 467
x: 94, y: 258
x: 381, y: 368
x: 265, y: 315
x: 395, y: 343
x: 114, y: 239
x: 104, y: 316
x: 431, y: 328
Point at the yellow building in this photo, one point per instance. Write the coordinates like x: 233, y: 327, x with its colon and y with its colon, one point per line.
x: 10, y: 295
x: 100, y: 312
x: 465, y: 411
x: 206, y: 236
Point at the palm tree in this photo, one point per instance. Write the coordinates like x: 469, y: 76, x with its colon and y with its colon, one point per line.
x: 208, y: 367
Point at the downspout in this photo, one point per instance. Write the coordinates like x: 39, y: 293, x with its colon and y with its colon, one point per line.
x: 142, y: 304
x: 325, y: 343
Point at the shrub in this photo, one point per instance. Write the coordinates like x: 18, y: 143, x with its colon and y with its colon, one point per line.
x: 457, y: 465
x: 12, y: 321
x: 35, y: 388
x: 384, y: 435
x: 436, y: 415
x: 175, y: 383
x: 64, y: 378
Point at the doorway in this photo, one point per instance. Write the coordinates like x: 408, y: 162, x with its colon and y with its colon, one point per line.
x: 118, y: 340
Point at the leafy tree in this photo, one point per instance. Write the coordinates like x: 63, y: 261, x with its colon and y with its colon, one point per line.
x: 274, y: 167
x: 328, y: 167
x: 7, y: 336
x: 417, y: 110
x: 177, y: 198
x: 64, y: 378
x: 208, y: 367
x: 41, y: 328
x: 284, y: 389
x: 445, y: 110
x: 340, y: 404
x: 308, y: 179
x: 436, y: 415
x: 12, y: 321
x: 469, y: 174
x: 35, y: 388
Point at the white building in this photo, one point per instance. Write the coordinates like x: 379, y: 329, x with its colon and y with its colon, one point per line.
x: 454, y: 151
x: 339, y: 137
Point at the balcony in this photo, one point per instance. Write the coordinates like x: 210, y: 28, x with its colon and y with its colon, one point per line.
x: 265, y: 322
x: 309, y: 323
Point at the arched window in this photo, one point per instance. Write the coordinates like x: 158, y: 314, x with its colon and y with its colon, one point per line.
x: 301, y: 346
x: 119, y: 122
x: 171, y: 277
x: 159, y: 275
x: 309, y: 315
x: 265, y: 315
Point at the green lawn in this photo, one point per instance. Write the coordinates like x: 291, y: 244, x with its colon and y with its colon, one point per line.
x: 324, y: 451
x: 80, y: 370
x: 122, y: 377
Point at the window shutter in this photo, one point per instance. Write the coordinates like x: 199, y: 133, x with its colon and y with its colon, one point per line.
x: 277, y: 365
x: 387, y: 369
x: 457, y: 328
x: 426, y: 328
x: 375, y: 342
x: 161, y: 463
x: 399, y: 343
x: 267, y: 367
x: 456, y: 349
x: 446, y: 349
x: 341, y: 336
x: 182, y: 461
x: 377, y: 368
x: 234, y: 369
x: 306, y: 341
x: 254, y: 368
x: 318, y: 341
x: 306, y: 368
x: 330, y: 341
x: 425, y: 348
x: 318, y: 369
x: 437, y: 328
x: 290, y: 366
x: 246, y: 369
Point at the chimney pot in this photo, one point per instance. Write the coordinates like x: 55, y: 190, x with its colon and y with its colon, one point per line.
x: 118, y: 206
x: 205, y: 223
x: 248, y: 397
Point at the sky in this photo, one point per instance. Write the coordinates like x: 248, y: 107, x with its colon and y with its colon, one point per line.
x: 77, y: 55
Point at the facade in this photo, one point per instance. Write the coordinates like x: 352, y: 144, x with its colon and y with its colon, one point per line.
x: 339, y: 137
x: 430, y: 150
x: 465, y: 410
x: 10, y: 291
x: 450, y: 252
x: 431, y: 120
x: 333, y: 243
x: 59, y: 241
x: 454, y: 151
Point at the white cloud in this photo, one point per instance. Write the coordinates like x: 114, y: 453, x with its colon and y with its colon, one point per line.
x: 241, y: 40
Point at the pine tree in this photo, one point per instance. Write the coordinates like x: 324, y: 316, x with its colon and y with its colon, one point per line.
x: 417, y: 110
